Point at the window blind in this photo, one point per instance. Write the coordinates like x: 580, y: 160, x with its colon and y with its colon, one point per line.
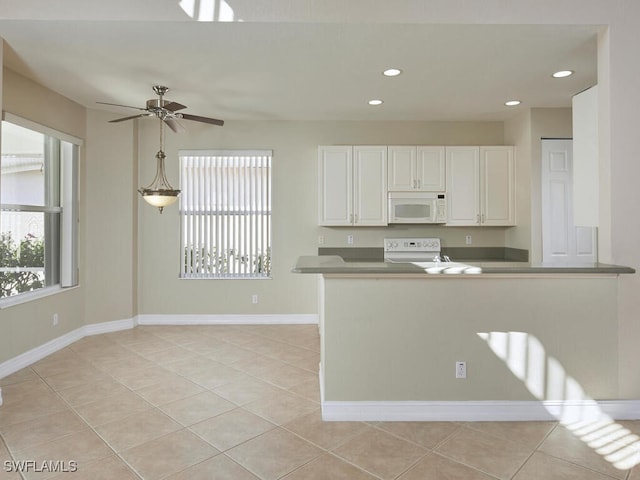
x: 225, y: 209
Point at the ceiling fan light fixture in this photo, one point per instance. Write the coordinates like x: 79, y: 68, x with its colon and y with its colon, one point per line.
x: 159, y: 198
x: 165, y: 110
x: 159, y: 193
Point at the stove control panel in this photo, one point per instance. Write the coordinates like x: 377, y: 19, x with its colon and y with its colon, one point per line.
x: 412, y: 245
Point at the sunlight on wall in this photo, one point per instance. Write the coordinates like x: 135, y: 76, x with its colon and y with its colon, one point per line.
x: 564, y: 398
x: 208, y: 10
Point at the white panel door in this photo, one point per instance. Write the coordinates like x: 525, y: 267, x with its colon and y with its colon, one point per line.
x: 562, y: 241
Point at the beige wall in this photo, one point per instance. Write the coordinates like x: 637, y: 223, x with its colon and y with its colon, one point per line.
x: 30, y: 324
x: 295, y: 231
x: 381, y: 350
x: 111, y: 229
x: 517, y: 132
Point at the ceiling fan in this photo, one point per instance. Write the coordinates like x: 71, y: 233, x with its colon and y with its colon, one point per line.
x: 165, y: 110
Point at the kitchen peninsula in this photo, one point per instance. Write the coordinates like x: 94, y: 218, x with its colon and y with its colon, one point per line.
x: 536, y: 340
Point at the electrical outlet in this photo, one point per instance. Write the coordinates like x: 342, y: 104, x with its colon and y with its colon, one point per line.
x: 254, y: 298
x: 320, y: 239
x: 461, y: 369
x: 350, y: 239
x: 55, y: 319
x: 467, y: 239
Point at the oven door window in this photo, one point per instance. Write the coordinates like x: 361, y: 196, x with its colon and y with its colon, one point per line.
x: 409, y: 211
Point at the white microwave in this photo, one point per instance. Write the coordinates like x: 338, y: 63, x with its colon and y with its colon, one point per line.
x: 417, y: 207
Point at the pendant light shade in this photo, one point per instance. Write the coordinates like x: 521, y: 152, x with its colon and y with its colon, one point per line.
x: 160, y: 193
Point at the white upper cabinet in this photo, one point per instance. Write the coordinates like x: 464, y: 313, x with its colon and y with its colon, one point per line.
x: 352, y: 182
x: 497, y: 186
x: 420, y: 169
x: 463, y: 185
x: 480, y: 186
x: 335, y: 185
x: 369, y: 185
x: 402, y: 168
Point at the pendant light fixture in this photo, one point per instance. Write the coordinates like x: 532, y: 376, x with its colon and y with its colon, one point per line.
x: 160, y: 193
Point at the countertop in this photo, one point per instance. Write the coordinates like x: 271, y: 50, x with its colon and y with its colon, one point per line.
x: 334, y: 264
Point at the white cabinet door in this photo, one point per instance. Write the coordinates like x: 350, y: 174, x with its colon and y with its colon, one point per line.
x: 414, y: 168
x: 430, y: 169
x: 335, y: 185
x: 463, y: 185
x: 497, y: 186
x: 481, y: 186
x: 352, y: 185
x: 369, y: 185
x: 402, y: 168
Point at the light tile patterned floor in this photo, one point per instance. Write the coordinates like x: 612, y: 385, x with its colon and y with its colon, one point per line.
x: 240, y: 403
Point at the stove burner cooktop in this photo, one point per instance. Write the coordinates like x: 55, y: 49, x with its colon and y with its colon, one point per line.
x: 409, y: 250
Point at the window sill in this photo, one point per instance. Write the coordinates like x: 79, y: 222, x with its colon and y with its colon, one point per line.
x: 34, y: 295
x: 202, y: 277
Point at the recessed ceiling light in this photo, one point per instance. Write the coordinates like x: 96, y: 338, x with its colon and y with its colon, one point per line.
x: 563, y: 74
x: 512, y: 103
x: 392, y: 72
x: 375, y: 102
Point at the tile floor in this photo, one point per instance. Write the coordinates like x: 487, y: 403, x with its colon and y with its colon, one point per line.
x: 240, y: 403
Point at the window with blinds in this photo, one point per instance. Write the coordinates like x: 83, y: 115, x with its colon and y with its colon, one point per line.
x: 225, y: 210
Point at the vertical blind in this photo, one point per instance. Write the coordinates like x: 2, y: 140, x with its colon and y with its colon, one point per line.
x: 225, y: 210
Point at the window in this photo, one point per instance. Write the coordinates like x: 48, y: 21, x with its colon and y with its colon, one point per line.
x: 38, y: 208
x: 225, y: 209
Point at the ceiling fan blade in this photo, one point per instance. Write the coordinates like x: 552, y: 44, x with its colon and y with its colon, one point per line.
x: 197, y: 118
x: 129, y: 118
x: 118, y: 105
x: 173, y: 106
x: 174, y: 125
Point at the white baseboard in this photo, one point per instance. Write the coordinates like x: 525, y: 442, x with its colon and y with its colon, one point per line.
x: 265, y: 319
x: 38, y: 353
x: 474, y: 411
x: 108, y: 327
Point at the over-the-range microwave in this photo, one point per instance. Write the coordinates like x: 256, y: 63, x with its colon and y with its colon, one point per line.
x: 417, y: 207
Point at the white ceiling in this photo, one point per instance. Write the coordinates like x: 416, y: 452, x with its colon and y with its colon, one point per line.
x: 290, y: 70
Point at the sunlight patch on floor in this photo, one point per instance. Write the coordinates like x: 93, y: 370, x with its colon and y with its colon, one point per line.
x: 547, y: 380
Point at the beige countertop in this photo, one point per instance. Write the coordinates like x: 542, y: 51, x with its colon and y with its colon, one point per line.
x: 333, y: 264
